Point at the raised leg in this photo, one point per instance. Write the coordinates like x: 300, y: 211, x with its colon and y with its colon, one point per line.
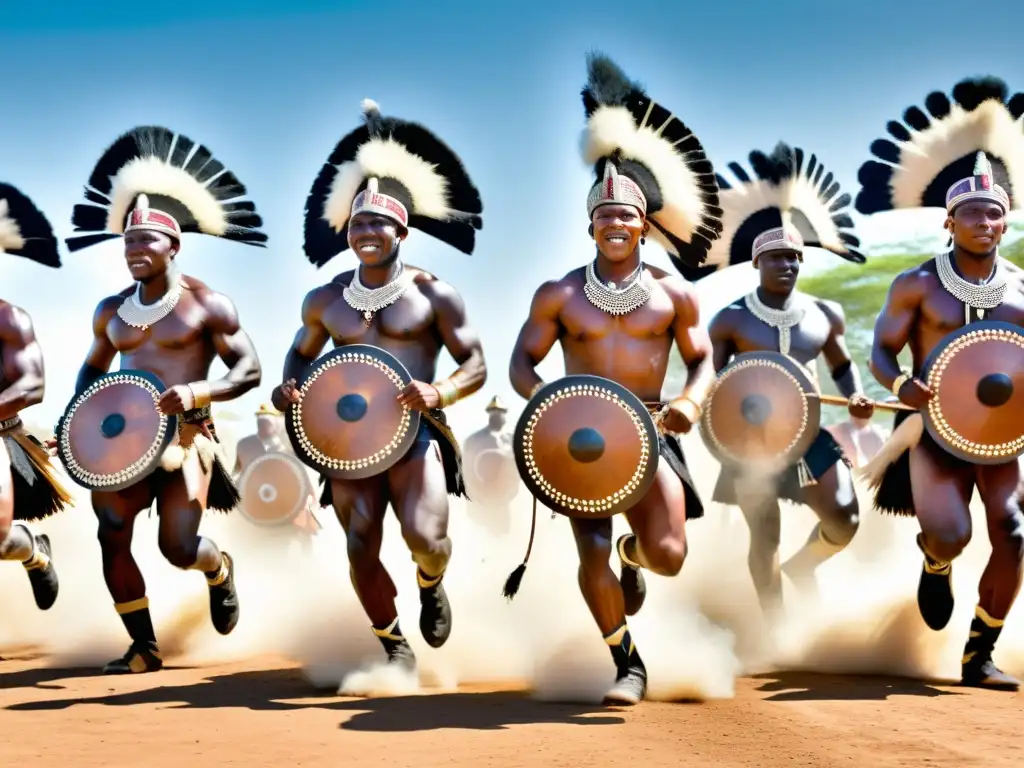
x: 18, y: 543
x: 658, y: 541
x: 942, y: 493
x: 184, y: 548
x: 420, y: 499
x: 834, y: 501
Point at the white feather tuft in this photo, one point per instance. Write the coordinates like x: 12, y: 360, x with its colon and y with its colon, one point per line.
x: 369, y: 105
x: 172, y: 458
x: 990, y: 127
x: 611, y: 129
x: 387, y: 158
x: 155, y: 176
x: 744, y: 200
x: 10, y: 232
x: 906, y: 436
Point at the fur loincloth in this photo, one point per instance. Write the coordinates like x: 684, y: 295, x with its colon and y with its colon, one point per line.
x: 38, y: 492
x: 823, y: 454
x: 433, y: 426
x: 888, y: 473
x: 197, y: 454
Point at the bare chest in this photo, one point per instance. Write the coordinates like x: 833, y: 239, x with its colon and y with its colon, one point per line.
x: 582, y: 321
x: 806, y: 339
x: 409, y: 319
x: 181, y: 330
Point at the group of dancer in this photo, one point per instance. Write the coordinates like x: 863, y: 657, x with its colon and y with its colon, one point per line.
x: 616, y: 317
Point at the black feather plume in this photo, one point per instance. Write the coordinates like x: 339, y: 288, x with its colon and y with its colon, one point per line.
x: 40, y: 244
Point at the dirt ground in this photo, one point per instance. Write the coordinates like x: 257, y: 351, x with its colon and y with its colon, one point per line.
x: 264, y: 712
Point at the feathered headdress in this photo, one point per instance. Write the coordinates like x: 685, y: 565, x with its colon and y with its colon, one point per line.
x: 932, y: 159
x: 24, y: 230
x: 400, y: 170
x: 790, y: 192
x: 163, y: 180
x: 643, y: 155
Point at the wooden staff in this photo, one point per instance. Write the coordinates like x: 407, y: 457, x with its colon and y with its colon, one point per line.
x: 879, y: 406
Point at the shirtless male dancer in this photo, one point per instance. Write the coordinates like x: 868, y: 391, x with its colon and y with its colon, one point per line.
x: 617, y: 318
x: 926, y: 303
x: 29, y: 488
x: 149, y: 187
x: 270, y: 438
x: 381, y: 179
x: 794, y: 209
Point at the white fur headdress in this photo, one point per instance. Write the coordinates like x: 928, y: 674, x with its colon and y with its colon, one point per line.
x: 788, y: 189
x: 398, y: 169
x: 654, y: 149
x: 176, y: 176
x: 24, y: 230
x: 933, y: 148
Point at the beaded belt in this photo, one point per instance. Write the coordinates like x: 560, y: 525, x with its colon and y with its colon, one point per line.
x: 11, y: 423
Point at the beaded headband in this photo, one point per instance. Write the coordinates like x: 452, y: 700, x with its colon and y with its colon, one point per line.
x: 980, y: 186
x: 784, y: 238
x: 371, y: 200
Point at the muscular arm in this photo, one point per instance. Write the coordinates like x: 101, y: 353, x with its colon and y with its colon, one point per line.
x: 723, y: 344
x: 893, y: 327
x: 837, y: 355
x: 233, y: 346
x: 309, y: 340
x: 693, y: 342
x: 101, y: 352
x: 459, y: 338
x: 21, y: 360
x: 536, y: 338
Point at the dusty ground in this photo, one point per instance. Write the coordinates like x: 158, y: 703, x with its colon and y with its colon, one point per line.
x: 264, y: 712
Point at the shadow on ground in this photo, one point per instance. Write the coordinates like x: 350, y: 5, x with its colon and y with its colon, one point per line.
x: 810, y: 686
x: 287, y: 689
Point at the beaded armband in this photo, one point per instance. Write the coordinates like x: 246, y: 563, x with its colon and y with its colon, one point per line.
x: 448, y: 391
x: 900, y: 380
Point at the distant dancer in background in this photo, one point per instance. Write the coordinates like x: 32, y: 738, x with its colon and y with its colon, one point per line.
x: 492, y: 479
x: 271, y: 437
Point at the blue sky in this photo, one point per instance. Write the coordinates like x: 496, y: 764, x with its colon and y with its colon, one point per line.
x: 271, y: 90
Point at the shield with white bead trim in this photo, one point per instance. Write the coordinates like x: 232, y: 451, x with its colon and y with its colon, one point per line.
x: 111, y: 435
x: 274, y: 488
x: 348, y: 423
x: 976, y: 375
x: 762, y: 412
x: 586, y: 447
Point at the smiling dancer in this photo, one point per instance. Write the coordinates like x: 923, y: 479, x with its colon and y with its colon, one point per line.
x: 151, y: 186
x: 966, y: 157
x: 29, y: 488
x: 383, y: 178
x: 618, y: 318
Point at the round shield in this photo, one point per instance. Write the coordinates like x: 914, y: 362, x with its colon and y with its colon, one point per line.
x: 976, y: 375
x: 349, y: 423
x: 762, y: 411
x: 495, y: 477
x: 112, y: 436
x: 586, y: 447
x: 274, y: 488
